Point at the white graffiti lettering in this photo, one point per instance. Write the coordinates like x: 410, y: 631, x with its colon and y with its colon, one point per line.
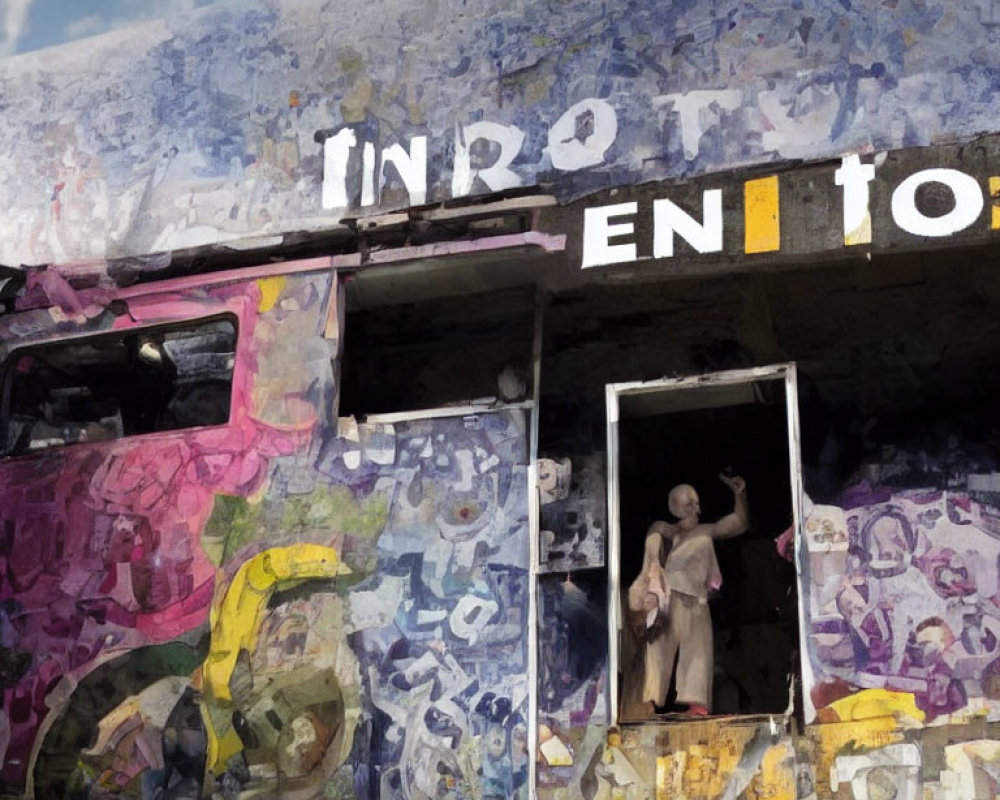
x: 670, y: 219
x: 598, y: 229
x: 498, y: 176
x: 968, y: 203
x: 855, y: 177
x: 579, y: 139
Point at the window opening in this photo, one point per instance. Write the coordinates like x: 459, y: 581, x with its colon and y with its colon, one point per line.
x: 702, y: 647
x: 117, y: 384
x: 436, y: 353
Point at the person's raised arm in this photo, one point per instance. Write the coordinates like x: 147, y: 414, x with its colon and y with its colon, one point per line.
x: 739, y: 520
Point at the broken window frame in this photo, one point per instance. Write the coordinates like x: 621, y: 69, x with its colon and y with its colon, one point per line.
x: 9, y: 365
x: 355, y: 355
x: 725, y: 382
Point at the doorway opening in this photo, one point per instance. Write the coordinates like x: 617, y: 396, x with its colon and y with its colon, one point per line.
x: 705, y: 432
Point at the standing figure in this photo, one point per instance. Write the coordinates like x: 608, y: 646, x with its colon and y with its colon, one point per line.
x: 679, y: 570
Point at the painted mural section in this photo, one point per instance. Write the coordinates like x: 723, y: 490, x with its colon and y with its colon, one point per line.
x: 899, y: 579
x: 292, y: 604
x: 898, y: 574
x: 744, y: 760
x: 281, y: 604
x: 912, y: 607
x: 250, y: 120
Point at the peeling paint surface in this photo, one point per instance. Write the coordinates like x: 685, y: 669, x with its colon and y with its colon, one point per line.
x: 405, y: 674
x: 294, y: 603
x: 285, y: 603
x: 901, y: 599
x: 211, y: 128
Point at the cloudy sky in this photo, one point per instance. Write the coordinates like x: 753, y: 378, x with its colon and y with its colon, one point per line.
x: 32, y: 24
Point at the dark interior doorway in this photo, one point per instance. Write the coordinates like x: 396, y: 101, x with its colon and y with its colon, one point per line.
x: 755, y: 613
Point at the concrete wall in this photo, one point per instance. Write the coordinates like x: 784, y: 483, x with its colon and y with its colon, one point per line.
x: 220, y: 125
x: 897, y: 567
x: 385, y: 568
x: 292, y: 604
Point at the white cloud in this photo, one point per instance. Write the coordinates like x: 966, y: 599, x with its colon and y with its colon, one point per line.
x: 139, y: 10
x: 85, y: 26
x: 13, y: 24
x: 130, y: 12
x: 167, y: 8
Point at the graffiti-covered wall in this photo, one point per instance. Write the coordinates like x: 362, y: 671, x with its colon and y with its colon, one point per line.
x: 284, y: 603
x: 892, y: 690
x: 902, y: 594
x: 246, y: 120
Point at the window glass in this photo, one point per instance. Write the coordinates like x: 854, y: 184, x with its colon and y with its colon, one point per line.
x: 118, y: 384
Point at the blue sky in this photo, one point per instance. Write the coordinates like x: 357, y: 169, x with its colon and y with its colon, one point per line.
x: 32, y: 24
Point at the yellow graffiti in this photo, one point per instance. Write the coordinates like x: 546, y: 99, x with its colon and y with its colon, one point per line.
x: 270, y: 290
x: 220, y: 748
x: 834, y: 738
x: 775, y: 780
x: 762, y: 219
x: 995, y: 203
x: 861, y: 234
x: 701, y: 764
x: 236, y: 622
x: 709, y: 765
x: 870, y: 703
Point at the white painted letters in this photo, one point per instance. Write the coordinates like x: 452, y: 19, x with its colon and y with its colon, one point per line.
x: 336, y: 150
x: 582, y: 134
x: 368, y: 175
x: 855, y: 177
x: 578, y: 139
x: 498, y: 176
x: 412, y: 168
x: 669, y: 218
x: 597, y: 230
x: 968, y: 203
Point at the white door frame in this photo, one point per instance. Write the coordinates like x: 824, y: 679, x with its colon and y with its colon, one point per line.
x: 718, y: 380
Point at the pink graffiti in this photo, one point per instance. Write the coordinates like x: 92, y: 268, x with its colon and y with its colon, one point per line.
x: 100, y: 543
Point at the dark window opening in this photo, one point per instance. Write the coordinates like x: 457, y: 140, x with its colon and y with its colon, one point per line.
x: 435, y: 353
x: 754, y: 614
x: 118, y: 384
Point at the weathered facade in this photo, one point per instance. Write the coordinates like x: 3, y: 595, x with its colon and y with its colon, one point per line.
x: 348, y: 357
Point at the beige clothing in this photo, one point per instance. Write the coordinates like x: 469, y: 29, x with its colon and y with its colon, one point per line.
x: 691, y: 565
x: 689, y: 631
x: 690, y: 571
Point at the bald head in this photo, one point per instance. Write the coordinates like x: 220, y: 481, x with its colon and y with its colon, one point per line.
x: 683, y: 502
